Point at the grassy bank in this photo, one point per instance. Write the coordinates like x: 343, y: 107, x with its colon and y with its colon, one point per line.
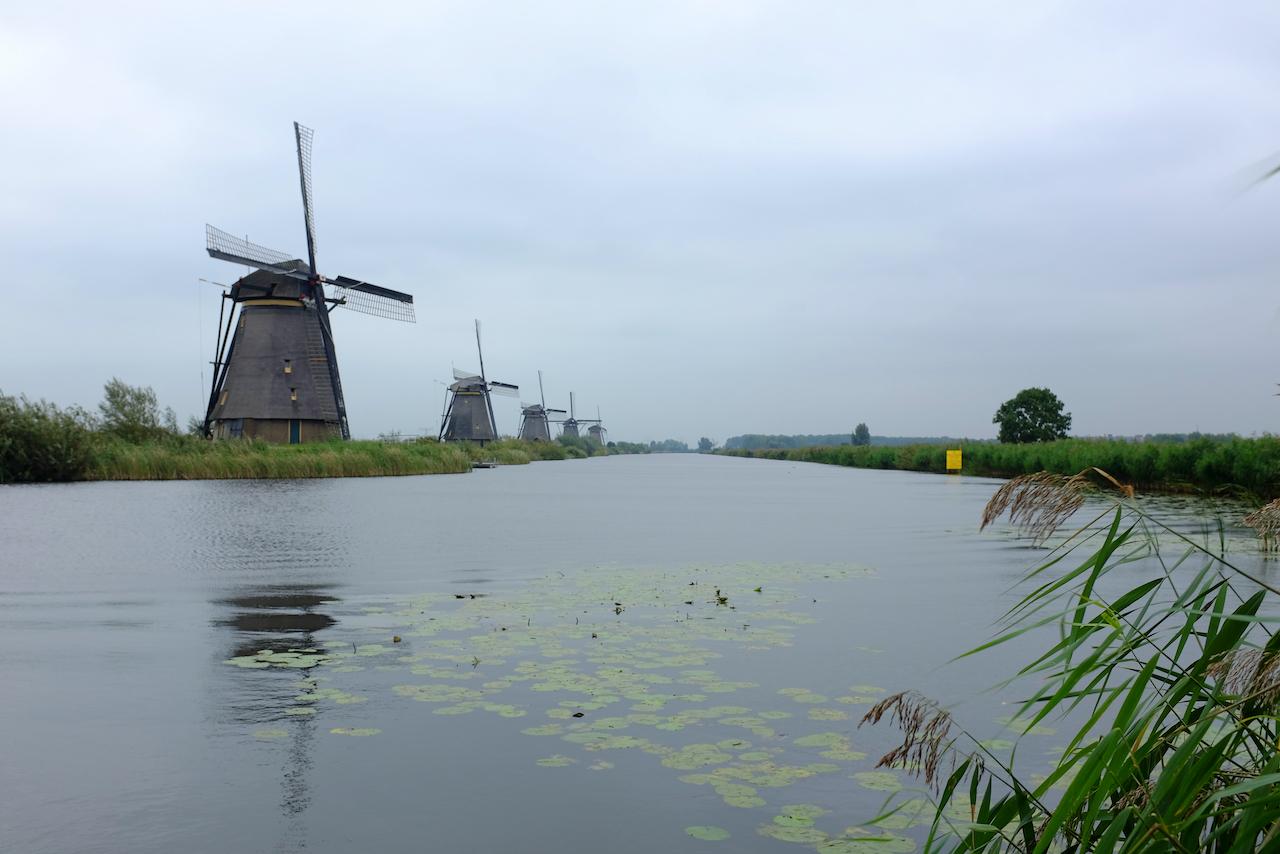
x: 190, y: 458
x: 187, y: 458
x: 1231, y: 466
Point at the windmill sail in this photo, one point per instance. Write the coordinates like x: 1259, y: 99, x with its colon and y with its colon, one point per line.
x: 304, y: 135
x: 228, y: 247
x: 365, y: 298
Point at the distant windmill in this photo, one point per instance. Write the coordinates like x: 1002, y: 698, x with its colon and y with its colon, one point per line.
x: 534, y: 423
x: 596, y: 431
x: 569, y: 427
x: 469, y: 415
x: 277, y: 378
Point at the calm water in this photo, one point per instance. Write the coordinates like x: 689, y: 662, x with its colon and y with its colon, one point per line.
x: 123, y: 728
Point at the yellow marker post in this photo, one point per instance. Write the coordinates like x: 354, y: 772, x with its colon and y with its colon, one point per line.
x: 953, y: 460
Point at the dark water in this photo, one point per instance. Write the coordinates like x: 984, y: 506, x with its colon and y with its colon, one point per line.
x: 123, y: 729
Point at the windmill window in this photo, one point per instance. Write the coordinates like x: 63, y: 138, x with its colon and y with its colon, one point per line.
x: 222, y: 400
x: 288, y: 366
x: 293, y: 394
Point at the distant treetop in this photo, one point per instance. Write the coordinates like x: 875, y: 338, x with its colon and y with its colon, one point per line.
x: 1032, y: 415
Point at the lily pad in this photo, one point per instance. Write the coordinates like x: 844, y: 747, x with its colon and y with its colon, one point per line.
x: 819, y: 714
x: 707, y: 832
x: 356, y: 731
x: 269, y: 734
x: 802, y: 835
x: 858, y: 840
x: 879, y: 781
x: 556, y: 761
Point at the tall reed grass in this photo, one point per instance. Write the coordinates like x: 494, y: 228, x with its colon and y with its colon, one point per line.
x: 189, y: 458
x: 1176, y: 678
x: 1232, y: 465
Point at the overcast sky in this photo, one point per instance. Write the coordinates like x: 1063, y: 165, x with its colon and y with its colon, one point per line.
x: 706, y: 218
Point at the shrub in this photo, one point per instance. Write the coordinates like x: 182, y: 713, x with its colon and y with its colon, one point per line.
x: 40, y: 442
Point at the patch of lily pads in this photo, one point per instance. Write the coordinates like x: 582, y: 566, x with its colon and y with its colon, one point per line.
x: 625, y: 662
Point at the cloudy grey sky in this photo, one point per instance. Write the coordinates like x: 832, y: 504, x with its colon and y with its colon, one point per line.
x: 706, y: 218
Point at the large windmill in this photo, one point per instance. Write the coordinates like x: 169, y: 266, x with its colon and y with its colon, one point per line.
x: 275, y: 374
x: 534, y: 424
x: 469, y: 416
x: 569, y: 427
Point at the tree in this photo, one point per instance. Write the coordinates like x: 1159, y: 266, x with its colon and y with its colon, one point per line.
x: 705, y: 445
x: 133, y: 413
x: 861, y: 435
x: 1032, y: 415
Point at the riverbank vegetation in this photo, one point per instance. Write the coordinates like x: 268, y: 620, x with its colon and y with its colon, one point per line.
x: 775, y: 441
x: 1176, y: 680
x: 130, y: 438
x: 195, y: 458
x: 1219, y: 465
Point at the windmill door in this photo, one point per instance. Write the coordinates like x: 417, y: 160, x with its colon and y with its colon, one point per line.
x: 295, y: 431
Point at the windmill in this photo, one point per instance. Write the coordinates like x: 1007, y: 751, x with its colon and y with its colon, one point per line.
x: 569, y: 427
x: 275, y: 371
x: 596, y: 431
x: 534, y: 424
x: 469, y: 415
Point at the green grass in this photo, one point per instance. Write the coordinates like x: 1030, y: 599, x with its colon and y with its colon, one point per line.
x: 1235, y: 465
x: 188, y: 458
x: 185, y: 458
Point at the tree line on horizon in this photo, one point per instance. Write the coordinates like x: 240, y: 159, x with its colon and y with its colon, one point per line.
x: 766, y: 441
x: 1032, y: 415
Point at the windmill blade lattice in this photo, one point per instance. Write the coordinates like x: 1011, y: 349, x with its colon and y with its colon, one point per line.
x: 237, y: 250
x: 304, y: 136
x: 371, y: 299
x: 504, y: 389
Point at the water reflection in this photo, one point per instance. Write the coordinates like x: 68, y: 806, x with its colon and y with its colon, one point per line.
x: 279, y: 619
x: 274, y: 617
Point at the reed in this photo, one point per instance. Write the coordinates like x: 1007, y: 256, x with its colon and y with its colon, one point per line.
x: 1176, y: 679
x: 1231, y: 466
x: 189, y: 458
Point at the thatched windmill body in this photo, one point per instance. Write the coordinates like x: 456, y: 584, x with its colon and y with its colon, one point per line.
x: 469, y: 415
x: 535, y: 420
x: 275, y: 367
